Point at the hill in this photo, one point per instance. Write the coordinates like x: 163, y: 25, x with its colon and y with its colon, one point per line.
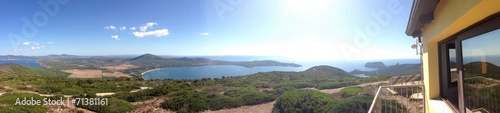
x: 20, y: 70
x: 325, y: 70
x: 153, y: 61
x: 475, y: 69
x: 147, y: 57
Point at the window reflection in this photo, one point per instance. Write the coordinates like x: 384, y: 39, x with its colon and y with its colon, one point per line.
x: 481, y: 61
x: 453, y: 65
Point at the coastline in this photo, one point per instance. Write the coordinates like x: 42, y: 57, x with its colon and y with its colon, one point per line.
x: 142, y: 74
x: 41, y: 64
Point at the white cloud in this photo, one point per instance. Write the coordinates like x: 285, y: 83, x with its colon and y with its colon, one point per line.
x: 30, y: 43
x: 37, y: 47
x: 144, y: 30
x: 50, y: 42
x: 204, y: 34
x: 123, y: 28
x: 110, y: 27
x: 157, y: 33
x: 115, y: 37
x: 148, y: 25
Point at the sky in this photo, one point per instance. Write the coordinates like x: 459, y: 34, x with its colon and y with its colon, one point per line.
x: 317, y: 30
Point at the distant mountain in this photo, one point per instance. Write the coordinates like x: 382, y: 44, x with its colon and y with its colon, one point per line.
x: 325, y: 70
x: 20, y: 70
x: 63, y: 56
x: 147, y: 57
x: 153, y: 61
x: 17, y: 57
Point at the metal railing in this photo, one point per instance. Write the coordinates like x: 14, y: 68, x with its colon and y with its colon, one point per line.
x: 399, y: 98
x: 481, y: 94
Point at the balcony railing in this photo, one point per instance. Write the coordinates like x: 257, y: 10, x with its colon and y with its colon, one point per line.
x: 400, y: 97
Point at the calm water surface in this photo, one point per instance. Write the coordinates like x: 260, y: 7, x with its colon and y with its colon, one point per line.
x: 31, y: 63
x: 217, y: 71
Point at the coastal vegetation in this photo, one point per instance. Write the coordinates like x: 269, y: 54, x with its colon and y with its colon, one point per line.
x: 8, y: 103
x: 311, y: 101
x: 191, y: 95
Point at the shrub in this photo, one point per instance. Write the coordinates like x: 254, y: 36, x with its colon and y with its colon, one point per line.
x: 192, y: 101
x: 71, y: 91
x: 305, y: 101
x: 350, y: 91
x: 294, y: 84
x: 114, y: 106
x: 332, y: 85
x: 9, y: 99
x: 354, y: 104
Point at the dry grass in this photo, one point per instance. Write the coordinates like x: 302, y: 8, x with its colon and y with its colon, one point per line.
x: 260, y: 108
x: 150, y: 106
x: 119, y: 67
x: 76, y: 73
x: 116, y: 74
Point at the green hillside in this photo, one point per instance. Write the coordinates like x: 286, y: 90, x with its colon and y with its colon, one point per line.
x: 207, y: 93
x: 325, y: 70
x: 152, y: 61
x: 20, y: 70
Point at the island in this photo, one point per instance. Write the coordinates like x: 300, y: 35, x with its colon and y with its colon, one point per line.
x: 393, y: 70
x: 377, y: 65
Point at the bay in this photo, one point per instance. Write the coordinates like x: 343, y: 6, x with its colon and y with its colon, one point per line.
x: 31, y: 63
x: 217, y: 71
x: 210, y: 71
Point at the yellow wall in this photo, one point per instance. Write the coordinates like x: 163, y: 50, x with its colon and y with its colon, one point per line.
x: 450, y: 17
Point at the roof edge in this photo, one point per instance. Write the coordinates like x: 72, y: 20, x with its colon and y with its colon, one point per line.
x: 422, y: 12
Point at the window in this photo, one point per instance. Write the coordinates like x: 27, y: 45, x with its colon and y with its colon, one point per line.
x: 481, y: 72
x: 449, y: 78
x: 470, y: 68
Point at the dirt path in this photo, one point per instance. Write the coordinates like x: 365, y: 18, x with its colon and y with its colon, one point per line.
x: 268, y: 107
x: 260, y: 108
x: 331, y: 91
x: 150, y: 106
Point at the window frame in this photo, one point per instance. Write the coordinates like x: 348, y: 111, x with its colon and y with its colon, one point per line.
x: 486, y: 25
x: 444, y: 70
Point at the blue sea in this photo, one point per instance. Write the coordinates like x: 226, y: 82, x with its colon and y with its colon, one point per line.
x: 31, y: 63
x: 217, y: 71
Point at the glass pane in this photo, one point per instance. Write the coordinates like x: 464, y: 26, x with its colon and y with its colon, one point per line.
x: 453, y: 65
x: 481, y: 61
